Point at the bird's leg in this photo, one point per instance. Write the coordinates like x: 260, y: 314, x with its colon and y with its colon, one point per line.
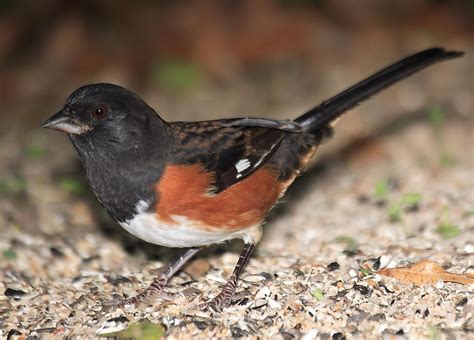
x: 225, y: 296
x: 158, y: 284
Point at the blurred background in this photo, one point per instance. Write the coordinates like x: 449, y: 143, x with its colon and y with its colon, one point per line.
x: 193, y: 60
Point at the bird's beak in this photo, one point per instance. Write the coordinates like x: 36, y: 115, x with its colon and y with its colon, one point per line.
x: 63, y: 121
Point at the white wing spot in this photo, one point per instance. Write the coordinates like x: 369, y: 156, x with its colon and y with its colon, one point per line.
x: 242, y: 165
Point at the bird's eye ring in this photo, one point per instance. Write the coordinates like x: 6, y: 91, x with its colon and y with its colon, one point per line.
x: 99, y: 112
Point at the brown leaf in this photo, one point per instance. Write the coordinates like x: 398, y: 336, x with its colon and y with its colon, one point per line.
x: 425, y: 272
x: 198, y: 268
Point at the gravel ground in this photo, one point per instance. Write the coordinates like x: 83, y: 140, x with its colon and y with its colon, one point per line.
x: 304, y: 280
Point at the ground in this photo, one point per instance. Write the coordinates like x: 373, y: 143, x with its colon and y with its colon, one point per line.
x: 393, y: 187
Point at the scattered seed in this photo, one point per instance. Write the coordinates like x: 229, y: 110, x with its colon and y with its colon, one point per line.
x: 118, y: 319
x: 376, y: 265
x: 56, y: 252
x: 333, y: 266
x: 286, y: 335
x: 116, y: 280
x: 14, y: 293
x: 358, y: 318
x: 259, y: 303
x: 362, y: 289
x: 201, y: 325
x: 338, y: 336
x: 12, y: 333
x: 363, y: 198
x: 263, y: 293
x: 378, y: 317
x: 253, y: 278
x: 237, y: 332
x: 243, y: 302
x: 45, y: 330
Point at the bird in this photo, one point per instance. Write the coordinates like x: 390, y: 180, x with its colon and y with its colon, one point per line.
x: 194, y: 184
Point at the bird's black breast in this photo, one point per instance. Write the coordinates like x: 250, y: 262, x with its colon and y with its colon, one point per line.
x: 120, y: 182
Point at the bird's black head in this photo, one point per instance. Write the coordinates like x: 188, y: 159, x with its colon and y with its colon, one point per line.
x: 122, y: 142
x: 106, y: 116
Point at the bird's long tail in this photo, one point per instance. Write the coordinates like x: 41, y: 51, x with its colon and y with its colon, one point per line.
x: 329, y: 110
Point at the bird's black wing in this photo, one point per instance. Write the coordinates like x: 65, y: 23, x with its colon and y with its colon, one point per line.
x: 231, y: 149
x: 283, y: 125
x: 242, y: 158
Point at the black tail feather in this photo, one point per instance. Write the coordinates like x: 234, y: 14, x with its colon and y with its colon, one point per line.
x: 323, y: 114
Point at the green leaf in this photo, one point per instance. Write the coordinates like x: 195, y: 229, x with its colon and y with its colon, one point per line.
x: 381, y: 188
x: 446, y: 158
x: 144, y: 330
x: 177, y: 76
x: 351, y: 244
x: 434, y: 333
x: 318, y: 295
x: 72, y: 185
x: 436, y: 116
x: 35, y: 151
x: 9, y: 254
x: 411, y: 199
x: 448, y: 230
x: 365, y: 271
x: 12, y: 185
x: 395, y: 213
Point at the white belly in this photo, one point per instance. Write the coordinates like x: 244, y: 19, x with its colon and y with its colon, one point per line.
x: 184, y: 232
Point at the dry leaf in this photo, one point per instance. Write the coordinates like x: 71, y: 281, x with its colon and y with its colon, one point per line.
x: 425, y: 272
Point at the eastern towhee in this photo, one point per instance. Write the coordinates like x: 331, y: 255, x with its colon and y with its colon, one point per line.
x: 193, y: 184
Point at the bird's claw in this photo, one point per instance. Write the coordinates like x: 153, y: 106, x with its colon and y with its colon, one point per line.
x: 155, y: 290
x: 112, y: 304
x: 219, y: 303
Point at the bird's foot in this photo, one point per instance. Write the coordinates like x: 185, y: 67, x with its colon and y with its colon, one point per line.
x: 223, y: 300
x: 155, y: 290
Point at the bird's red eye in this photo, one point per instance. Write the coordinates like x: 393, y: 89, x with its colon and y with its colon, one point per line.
x: 99, y: 112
